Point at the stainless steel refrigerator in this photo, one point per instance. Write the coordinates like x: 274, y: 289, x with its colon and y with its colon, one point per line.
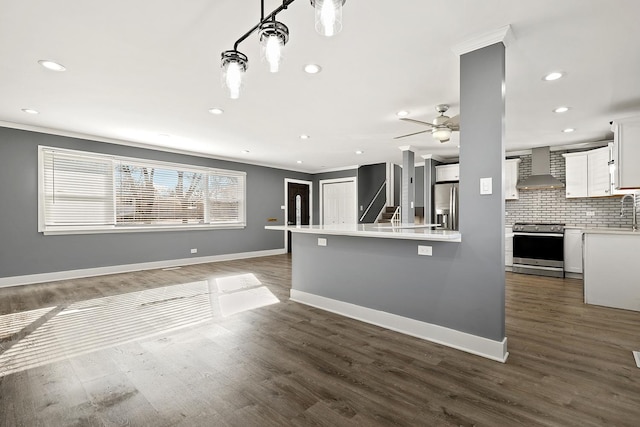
x: 445, y: 205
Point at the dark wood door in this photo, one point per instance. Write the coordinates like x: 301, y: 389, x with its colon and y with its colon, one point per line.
x: 295, y: 189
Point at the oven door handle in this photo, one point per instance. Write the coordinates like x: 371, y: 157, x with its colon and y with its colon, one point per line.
x: 515, y: 233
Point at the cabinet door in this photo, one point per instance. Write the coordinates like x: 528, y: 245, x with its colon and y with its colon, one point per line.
x: 508, y: 247
x: 576, y: 175
x: 573, y: 251
x: 598, y: 178
x: 448, y: 172
x: 626, y: 153
x: 511, y: 179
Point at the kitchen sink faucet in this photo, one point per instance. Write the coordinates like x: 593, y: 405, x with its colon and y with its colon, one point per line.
x: 634, y: 209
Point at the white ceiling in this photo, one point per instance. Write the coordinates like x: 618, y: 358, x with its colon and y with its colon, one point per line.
x: 138, y: 69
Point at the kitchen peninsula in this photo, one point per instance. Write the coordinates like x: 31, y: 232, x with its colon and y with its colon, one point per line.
x: 610, y: 277
x: 403, y: 279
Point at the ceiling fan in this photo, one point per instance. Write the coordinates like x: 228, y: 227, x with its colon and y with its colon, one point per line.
x: 440, y: 128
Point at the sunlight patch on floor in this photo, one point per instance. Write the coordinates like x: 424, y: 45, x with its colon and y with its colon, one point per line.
x: 100, y: 323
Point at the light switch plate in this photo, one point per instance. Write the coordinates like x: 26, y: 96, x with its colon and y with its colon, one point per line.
x: 322, y: 241
x: 486, y: 185
x: 425, y: 250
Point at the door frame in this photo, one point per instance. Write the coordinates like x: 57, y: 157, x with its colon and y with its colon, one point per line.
x: 286, y: 203
x: 321, y: 183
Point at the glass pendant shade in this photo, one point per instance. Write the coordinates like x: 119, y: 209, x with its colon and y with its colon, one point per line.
x: 273, y: 36
x: 234, y: 65
x: 328, y: 16
x: 442, y: 134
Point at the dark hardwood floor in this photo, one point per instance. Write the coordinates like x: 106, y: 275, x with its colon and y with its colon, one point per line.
x: 209, y: 345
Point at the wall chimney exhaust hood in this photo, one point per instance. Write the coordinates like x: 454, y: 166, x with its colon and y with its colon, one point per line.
x: 541, y: 177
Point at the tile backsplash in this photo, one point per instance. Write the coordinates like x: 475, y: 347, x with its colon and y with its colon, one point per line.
x: 552, y: 205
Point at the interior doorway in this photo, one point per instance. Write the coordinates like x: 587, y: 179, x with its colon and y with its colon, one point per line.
x: 339, y: 201
x: 298, y: 205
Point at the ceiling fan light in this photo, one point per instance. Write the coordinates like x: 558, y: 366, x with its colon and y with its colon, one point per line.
x: 234, y: 65
x: 442, y: 134
x: 328, y: 16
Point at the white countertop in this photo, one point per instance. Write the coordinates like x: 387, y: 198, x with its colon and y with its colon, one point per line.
x: 605, y: 230
x: 384, y: 231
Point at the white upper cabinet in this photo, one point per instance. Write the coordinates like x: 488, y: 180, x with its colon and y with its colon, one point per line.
x: 448, y: 172
x: 587, y: 173
x: 598, y: 178
x: 511, y: 179
x: 626, y: 153
x: 576, y: 174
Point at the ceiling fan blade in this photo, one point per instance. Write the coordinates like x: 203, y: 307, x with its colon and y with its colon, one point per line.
x: 411, y: 134
x: 453, y: 122
x: 417, y: 121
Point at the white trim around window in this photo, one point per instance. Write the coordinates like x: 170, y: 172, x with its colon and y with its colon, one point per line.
x: 83, y: 192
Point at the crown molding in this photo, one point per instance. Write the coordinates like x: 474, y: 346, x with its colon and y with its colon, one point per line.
x: 502, y: 34
x: 406, y: 148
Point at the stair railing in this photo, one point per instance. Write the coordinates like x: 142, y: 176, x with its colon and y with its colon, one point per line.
x: 396, y: 219
x: 373, y: 201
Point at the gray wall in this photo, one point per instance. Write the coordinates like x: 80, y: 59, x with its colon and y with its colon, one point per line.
x: 419, y: 186
x: 408, y: 187
x: 370, y: 178
x: 462, y: 285
x: 24, y: 251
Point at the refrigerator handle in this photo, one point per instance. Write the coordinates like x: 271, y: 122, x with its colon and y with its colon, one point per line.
x: 454, y: 208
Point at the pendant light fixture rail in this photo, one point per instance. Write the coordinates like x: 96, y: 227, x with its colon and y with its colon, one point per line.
x: 285, y: 4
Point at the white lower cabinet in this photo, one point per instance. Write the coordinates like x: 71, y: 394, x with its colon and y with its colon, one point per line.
x: 573, y: 250
x: 508, y: 247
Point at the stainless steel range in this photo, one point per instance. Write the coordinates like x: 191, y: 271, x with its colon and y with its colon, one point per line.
x: 538, y: 248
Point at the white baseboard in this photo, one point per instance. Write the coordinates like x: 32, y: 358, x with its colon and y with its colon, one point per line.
x: 480, y: 346
x: 127, y: 268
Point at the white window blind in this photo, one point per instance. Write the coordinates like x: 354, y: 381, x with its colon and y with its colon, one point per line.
x: 226, y: 198
x: 158, y: 195
x: 85, y: 191
x: 78, y: 190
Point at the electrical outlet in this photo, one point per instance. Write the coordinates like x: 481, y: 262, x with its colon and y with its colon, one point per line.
x: 425, y: 250
x: 322, y: 241
x: 194, y: 251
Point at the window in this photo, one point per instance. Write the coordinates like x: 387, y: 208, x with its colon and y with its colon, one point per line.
x: 87, y: 192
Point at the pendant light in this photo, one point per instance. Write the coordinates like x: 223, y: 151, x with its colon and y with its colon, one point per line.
x: 328, y: 16
x: 273, y: 36
x: 234, y: 65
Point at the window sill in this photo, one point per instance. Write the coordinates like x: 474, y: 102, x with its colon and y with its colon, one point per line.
x: 138, y: 229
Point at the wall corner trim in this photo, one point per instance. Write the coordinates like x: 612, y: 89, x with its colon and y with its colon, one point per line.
x: 502, y: 34
x: 127, y: 268
x: 480, y: 346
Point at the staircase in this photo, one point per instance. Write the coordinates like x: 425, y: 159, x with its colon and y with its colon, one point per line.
x: 387, y: 216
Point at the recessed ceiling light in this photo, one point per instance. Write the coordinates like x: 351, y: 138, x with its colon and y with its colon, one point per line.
x: 245, y: 151
x: 359, y: 152
x: 299, y: 162
x: 51, y: 65
x: 402, y: 113
x: 216, y: 111
x: 30, y: 111
x: 303, y: 136
x: 312, y: 68
x: 553, y: 76
x: 568, y: 130
x: 561, y: 110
